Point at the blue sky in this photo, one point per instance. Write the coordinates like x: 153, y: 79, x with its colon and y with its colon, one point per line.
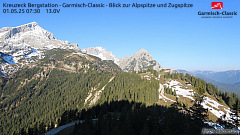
x: 176, y: 38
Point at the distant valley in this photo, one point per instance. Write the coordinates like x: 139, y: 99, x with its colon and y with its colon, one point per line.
x: 231, y: 76
x: 224, y: 80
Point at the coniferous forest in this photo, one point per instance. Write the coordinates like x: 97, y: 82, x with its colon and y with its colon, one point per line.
x: 131, y: 87
x: 52, y: 92
x: 124, y: 117
x: 223, y: 96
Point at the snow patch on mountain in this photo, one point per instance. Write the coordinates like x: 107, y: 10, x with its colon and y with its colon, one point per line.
x: 214, y: 125
x: 27, y: 43
x: 3, y: 33
x: 208, y: 103
x: 30, y: 35
x: 101, y: 53
x: 141, y: 60
x: 180, y: 90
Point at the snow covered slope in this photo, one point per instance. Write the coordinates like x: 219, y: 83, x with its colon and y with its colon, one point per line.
x: 29, y: 36
x: 213, y: 106
x: 101, y: 53
x: 25, y: 44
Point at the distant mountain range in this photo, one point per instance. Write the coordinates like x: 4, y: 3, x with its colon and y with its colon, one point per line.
x: 38, y: 72
x: 224, y: 80
x: 231, y: 76
x: 141, y: 60
x: 42, y: 78
x: 28, y: 43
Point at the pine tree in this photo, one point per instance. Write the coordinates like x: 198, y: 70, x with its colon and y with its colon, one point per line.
x: 41, y: 128
x: 186, y: 106
x: 180, y: 104
x: 175, y: 105
x: 199, y: 113
x: 35, y: 129
x: 175, y: 93
x: 23, y: 132
x: 75, y: 128
x: 30, y: 131
x: 235, y: 113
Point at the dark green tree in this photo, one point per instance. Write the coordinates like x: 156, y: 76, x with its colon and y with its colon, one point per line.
x: 235, y: 113
x: 199, y: 113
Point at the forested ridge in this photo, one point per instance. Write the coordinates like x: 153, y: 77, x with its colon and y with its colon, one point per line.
x: 40, y: 94
x: 53, y: 90
x: 222, y: 96
x: 35, y: 97
x: 60, y: 91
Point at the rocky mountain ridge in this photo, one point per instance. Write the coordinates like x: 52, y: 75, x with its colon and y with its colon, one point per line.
x: 230, y: 76
x: 101, y: 53
x: 29, y: 36
x: 141, y: 60
x: 25, y: 44
x: 28, y: 43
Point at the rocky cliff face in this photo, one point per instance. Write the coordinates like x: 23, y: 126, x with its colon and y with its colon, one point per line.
x: 25, y: 44
x: 141, y: 60
x: 31, y: 35
x: 101, y: 53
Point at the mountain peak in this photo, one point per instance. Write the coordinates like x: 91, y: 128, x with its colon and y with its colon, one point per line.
x: 30, y: 35
x: 101, y: 49
x: 142, y: 51
x: 21, y: 40
x: 141, y: 60
x: 32, y: 23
